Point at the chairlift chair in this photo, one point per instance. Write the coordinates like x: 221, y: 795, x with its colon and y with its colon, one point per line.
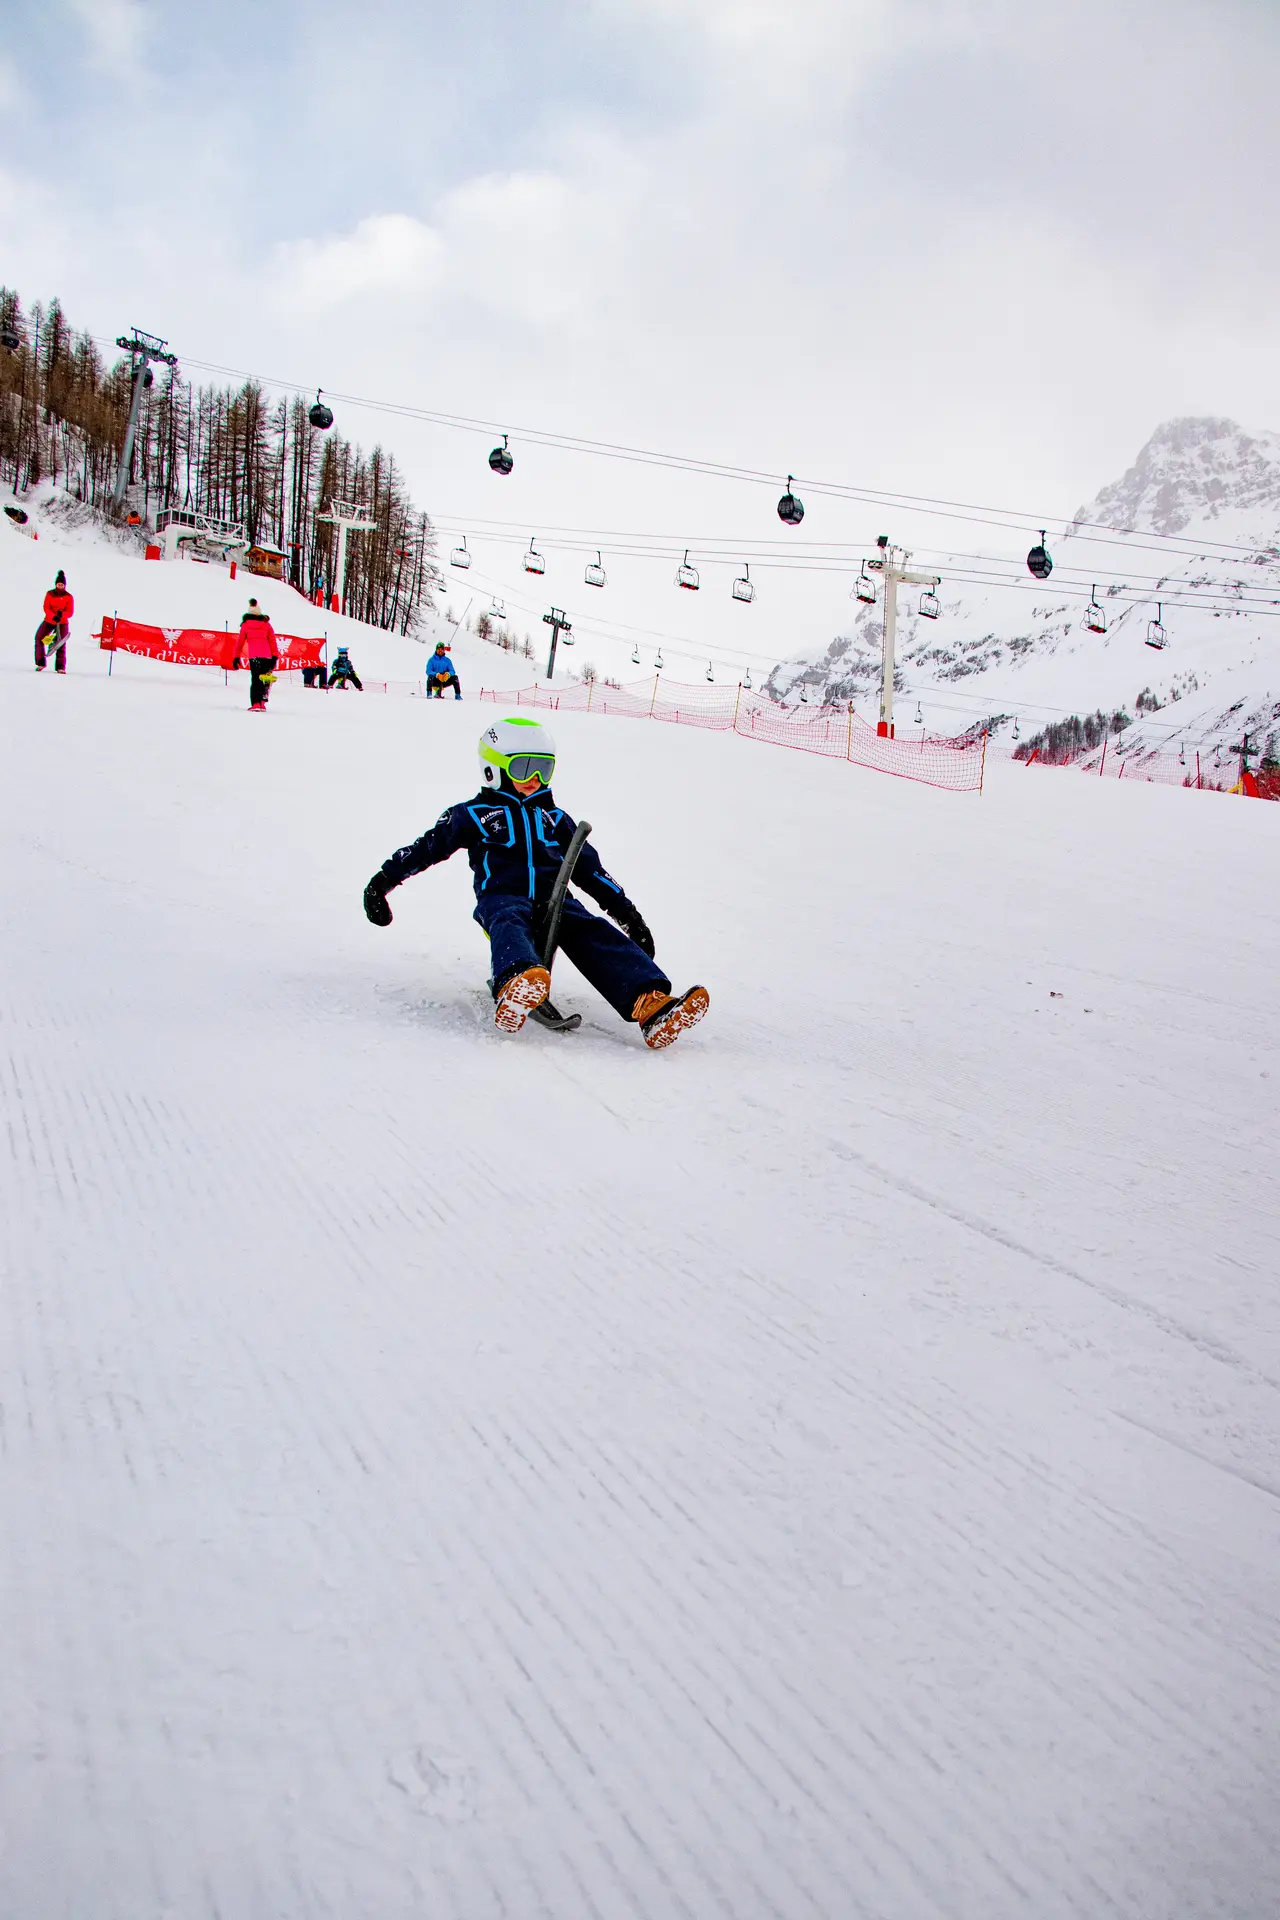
x: 1038, y: 561
x: 864, y: 587
x: 687, y: 576
x: 533, y: 560
x: 929, y: 608
x: 919, y: 720
x: 804, y: 695
x: 595, y: 574
x: 790, y: 509
x: 501, y: 459
x: 498, y: 610
x: 742, y: 587
x: 1094, y: 618
x: 1156, y: 635
x: 460, y: 556
x: 1017, y: 730
x: 635, y: 656
x: 746, y: 679
x: 10, y: 339
x: 658, y: 660
x: 319, y: 414
x: 710, y: 675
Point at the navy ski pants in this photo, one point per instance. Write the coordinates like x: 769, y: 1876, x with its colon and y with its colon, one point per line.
x: 617, y: 968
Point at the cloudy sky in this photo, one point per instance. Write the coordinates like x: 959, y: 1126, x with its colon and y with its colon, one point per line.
x: 960, y: 248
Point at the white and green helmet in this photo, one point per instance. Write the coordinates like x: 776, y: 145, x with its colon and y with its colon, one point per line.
x: 518, y: 748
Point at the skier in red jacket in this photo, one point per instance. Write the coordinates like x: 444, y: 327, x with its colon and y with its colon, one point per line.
x: 257, y: 644
x: 58, y: 609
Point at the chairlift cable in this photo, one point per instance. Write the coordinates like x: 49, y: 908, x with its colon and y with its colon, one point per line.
x: 1014, y: 518
x: 1132, y: 590
x: 833, y: 556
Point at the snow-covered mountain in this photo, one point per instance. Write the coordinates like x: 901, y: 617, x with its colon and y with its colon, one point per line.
x: 1192, y: 530
x: 1198, y: 476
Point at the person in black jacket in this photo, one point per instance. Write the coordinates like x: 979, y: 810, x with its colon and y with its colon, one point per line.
x: 342, y: 674
x: 515, y: 838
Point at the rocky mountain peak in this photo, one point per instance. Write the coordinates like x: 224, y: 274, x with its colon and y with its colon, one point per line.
x: 1191, y: 470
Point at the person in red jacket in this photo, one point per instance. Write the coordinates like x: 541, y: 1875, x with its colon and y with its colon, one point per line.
x: 56, y: 625
x: 257, y: 645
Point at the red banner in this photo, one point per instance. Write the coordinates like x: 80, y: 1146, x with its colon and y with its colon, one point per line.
x: 198, y: 646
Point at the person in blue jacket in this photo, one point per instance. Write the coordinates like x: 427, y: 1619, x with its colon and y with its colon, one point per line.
x: 442, y: 673
x: 516, y: 838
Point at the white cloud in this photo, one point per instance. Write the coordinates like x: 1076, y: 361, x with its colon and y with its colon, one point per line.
x: 530, y: 246
x: 948, y: 246
x: 116, y: 34
x: 386, y: 254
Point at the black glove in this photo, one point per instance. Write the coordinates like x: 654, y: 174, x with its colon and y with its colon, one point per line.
x: 375, y: 900
x: 630, y: 920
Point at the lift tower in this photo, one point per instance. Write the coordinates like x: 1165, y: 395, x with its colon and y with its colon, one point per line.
x: 891, y: 562
x: 142, y: 349
x: 348, y: 517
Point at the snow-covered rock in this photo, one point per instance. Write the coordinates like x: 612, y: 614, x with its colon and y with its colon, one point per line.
x: 1196, y: 474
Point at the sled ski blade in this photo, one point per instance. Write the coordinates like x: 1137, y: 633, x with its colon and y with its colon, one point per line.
x: 547, y: 1016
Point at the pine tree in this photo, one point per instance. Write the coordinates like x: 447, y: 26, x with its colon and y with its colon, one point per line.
x: 229, y: 453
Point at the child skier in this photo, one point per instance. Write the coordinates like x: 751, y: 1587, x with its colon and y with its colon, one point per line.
x: 257, y: 644
x: 342, y: 674
x: 56, y: 625
x: 442, y: 673
x: 516, y: 838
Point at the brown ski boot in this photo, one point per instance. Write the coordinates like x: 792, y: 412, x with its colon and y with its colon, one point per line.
x: 518, y: 996
x: 662, y: 1017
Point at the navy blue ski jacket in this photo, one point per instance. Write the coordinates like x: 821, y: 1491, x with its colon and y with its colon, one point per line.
x: 515, y: 846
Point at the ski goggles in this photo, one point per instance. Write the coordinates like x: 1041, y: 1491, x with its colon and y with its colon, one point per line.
x: 523, y: 766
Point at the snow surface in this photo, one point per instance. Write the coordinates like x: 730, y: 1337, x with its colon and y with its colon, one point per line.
x: 829, y: 1469
x: 105, y: 576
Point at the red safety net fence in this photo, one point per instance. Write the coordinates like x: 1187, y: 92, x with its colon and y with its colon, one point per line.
x: 198, y: 646
x: 836, y: 733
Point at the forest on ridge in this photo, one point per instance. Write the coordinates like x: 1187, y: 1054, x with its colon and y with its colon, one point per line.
x: 231, y: 452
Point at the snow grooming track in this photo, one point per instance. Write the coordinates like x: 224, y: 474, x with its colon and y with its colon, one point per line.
x: 817, y: 1472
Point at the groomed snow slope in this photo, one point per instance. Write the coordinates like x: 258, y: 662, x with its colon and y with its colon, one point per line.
x: 830, y: 1469
x: 185, y: 593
